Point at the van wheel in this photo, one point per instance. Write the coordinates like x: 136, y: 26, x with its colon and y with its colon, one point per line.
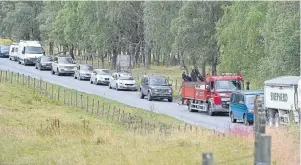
x: 245, y: 120
x: 232, y: 118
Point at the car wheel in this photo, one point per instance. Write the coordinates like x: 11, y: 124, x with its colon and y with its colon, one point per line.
x: 210, y: 113
x: 232, y: 118
x: 149, y: 97
x: 74, y: 76
x: 57, y: 72
x: 141, y: 95
x: 91, y: 82
x: 170, y: 99
x: 36, y: 67
x: 245, y: 120
x: 110, y: 86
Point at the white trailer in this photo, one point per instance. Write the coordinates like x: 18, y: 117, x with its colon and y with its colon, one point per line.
x: 281, y: 99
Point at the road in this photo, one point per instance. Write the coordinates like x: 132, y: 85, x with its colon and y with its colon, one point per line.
x: 218, y: 123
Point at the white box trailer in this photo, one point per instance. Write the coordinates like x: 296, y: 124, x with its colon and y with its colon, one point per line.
x: 281, y: 99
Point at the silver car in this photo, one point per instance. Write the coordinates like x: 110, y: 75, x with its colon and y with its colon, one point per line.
x: 63, y: 65
x: 101, y: 76
x: 83, y: 72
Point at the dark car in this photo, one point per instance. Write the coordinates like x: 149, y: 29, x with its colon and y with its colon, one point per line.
x: 156, y: 87
x: 4, y: 51
x: 83, y: 72
x: 44, y: 63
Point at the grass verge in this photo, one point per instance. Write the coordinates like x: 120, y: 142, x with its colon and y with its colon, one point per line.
x: 37, y: 130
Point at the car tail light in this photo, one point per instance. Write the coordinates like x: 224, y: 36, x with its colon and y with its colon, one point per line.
x: 217, y: 100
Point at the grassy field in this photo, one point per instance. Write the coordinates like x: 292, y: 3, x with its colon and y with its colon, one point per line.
x: 30, y: 135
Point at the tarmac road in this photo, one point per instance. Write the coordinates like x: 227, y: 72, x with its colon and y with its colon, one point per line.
x: 218, y: 123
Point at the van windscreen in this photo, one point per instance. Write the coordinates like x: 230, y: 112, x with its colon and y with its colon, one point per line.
x: 33, y: 50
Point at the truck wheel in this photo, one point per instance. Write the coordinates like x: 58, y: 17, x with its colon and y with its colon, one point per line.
x: 149, y: 97
x: 190, y: 108
x: 210, y: 113
x: 232, y: 118
x: 141, y: 95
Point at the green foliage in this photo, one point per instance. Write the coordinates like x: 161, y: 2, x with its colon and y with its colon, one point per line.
x: 258, y: 39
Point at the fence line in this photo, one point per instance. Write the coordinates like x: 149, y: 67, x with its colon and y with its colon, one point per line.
x: 103, y: 110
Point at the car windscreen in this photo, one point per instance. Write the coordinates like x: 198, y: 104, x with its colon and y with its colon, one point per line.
x: 4, y: 49
x: 158, y: 81
x: 33, y: 50
x: 126, y: 78
x: 104, y: 72
x: 46, y: 59
x: 65, y: 60
x: 86, y: 67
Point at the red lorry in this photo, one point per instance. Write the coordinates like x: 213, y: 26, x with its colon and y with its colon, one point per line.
x: 213, y: 94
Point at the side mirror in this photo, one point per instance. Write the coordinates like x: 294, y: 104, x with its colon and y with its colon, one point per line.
x: 241, y: 102
x: 207, y: 88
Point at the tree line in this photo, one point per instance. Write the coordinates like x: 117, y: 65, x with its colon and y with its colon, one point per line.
x: 258, y: 39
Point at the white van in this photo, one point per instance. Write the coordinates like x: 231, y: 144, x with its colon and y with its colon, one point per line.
x: 13, y: 52
x: 29, y: 51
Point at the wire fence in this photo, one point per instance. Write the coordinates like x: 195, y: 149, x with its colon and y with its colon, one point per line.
x: 103, y: 109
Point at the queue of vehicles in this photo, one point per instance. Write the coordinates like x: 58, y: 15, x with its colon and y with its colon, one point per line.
x: 216, y: 94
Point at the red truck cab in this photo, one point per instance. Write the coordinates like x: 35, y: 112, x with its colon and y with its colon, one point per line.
x: 213, y: 94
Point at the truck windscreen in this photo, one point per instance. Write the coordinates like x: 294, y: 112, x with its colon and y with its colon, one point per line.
x: 227, y: 85
x: 33, y: 50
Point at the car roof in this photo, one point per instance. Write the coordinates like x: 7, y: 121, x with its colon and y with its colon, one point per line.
x: 249, y: 92
x: 154, y: 76
x: 100, y: 69
x: 283, y: 81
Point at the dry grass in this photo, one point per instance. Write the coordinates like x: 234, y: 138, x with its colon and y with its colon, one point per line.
x: 30, y: 135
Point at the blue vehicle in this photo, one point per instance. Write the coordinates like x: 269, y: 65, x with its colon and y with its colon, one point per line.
x: 242, y: 105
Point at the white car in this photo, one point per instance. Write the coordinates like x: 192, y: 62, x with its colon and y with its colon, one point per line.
x: 100, y: 76
x: 124, y: 81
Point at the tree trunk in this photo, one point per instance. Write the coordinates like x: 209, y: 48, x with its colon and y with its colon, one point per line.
x: 50, y: 48
x: 115, y: 52
x: 204, y: 68
x: 71, y: 49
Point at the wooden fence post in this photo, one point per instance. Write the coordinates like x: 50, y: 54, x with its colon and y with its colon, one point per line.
x: 87, y: 103
x: 208, y: 158
x: 262, y: 153
x: 58, y: 94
